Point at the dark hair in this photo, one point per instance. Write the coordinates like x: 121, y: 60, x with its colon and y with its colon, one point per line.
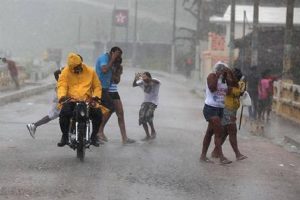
x: 237, y: 73
x: 148, y: 74
x: 114, y: 49
x: 266, y: 73
x: 80, y: 57
x: 56, y: 74
x: 4, y: 59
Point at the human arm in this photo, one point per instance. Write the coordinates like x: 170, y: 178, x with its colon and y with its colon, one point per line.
x: 62, y: 85
x: 137, y: 80
x: 96, y: 86
x: 212, y: 82
x: 108, y: 61
x: 155, y: 81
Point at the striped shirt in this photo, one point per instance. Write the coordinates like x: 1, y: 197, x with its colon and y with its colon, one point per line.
x: 113, y: 87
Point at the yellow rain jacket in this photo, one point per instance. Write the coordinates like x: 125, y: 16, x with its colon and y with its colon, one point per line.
x: 80, y: 86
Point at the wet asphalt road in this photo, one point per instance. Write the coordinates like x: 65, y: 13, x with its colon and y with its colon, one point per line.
x: 167, y: 168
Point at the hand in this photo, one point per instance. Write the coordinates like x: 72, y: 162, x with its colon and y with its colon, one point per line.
x: 115, y: 55
x: 63, y: 99
x: 138, y: 75
x: 96, y: 99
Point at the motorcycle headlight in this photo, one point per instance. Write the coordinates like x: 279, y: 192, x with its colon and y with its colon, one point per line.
x: 82, y: 113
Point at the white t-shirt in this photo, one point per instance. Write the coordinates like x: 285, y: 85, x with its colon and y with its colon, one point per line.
x: 150, y: 91
x: 216, y: 99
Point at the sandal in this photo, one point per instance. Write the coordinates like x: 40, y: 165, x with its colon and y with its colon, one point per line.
x: 206, y: 160
x: 225, y: 161
x: 241, y: 157
x: 129, y: 141
x: 104, y: 139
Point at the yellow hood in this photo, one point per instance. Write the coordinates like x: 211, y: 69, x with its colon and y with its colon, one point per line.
x: 73, y: 60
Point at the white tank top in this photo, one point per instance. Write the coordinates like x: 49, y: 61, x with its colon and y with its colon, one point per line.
x: 216, y: 99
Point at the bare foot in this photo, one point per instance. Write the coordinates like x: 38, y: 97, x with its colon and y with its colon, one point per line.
x: 153, y: 135
x: 128, y: 141
x: 102, y: 137
x: 146, y: 138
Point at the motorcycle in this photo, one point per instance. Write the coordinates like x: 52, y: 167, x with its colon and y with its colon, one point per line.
x: 79, y: 129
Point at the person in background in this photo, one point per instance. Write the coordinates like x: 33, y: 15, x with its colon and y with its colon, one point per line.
x: 150, y: 87
x: 53, y: 112
x: 13, y: 71
x: 216, y: 90
x: 252, y: 88
x: 264, y: 95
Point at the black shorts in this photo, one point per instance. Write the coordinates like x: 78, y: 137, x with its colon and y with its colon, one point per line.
x: 114, y: 95
x: 210, y: 111
x: 107, y: 100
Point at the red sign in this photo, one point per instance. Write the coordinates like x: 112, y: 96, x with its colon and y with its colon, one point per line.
x: 121, y: 17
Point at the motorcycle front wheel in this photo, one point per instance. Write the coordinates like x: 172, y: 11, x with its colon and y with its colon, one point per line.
x: 81, y: 145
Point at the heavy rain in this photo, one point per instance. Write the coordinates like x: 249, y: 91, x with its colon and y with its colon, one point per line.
x: 149, y: 99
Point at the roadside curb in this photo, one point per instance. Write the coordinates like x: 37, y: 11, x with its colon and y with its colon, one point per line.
x: 25, y: 93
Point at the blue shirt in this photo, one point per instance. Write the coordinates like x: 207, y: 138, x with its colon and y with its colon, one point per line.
x: 105, y: 78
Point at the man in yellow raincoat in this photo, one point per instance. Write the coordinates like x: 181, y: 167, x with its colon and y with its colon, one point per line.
x: 78, y: 82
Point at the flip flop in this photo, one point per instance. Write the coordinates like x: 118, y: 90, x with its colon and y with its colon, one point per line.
x: 206, y: 160
x: 104, y: 139
x: 225, y: 161
x: 242, y: 157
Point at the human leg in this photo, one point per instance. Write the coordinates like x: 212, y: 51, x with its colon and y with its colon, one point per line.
x: 96, y: 117
x: 108, y: 103
x: 153, y: 132
x: 104, y: 120
x: 120, y: 115
x: 232, y: 130
x: 64, y: 122
x: 206, y: 143
x: 217, y: 130
x: 145, y: 126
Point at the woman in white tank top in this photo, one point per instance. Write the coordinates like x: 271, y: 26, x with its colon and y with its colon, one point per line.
x: 216, y: 89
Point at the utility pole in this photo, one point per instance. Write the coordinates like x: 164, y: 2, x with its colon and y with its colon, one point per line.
x: 134, y: 49
x: 113, y: 28
x: 197, y: 49
x: 79, y: 32
x: 288, y: 37
x: 254, y: 55
x: 232, y: 34
x: 173, y: 54
x: 244, y: 42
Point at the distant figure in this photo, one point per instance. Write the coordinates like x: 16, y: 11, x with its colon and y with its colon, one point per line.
x: 13, y: 70
x: 189, y: 66
x: 150, y: 87
x: 252, y: 88
x: 264, y: 95
x: 53, y: 112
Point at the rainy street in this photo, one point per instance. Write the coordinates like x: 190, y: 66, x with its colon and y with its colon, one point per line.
x: 206, y: 67
x: 165, y: 168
